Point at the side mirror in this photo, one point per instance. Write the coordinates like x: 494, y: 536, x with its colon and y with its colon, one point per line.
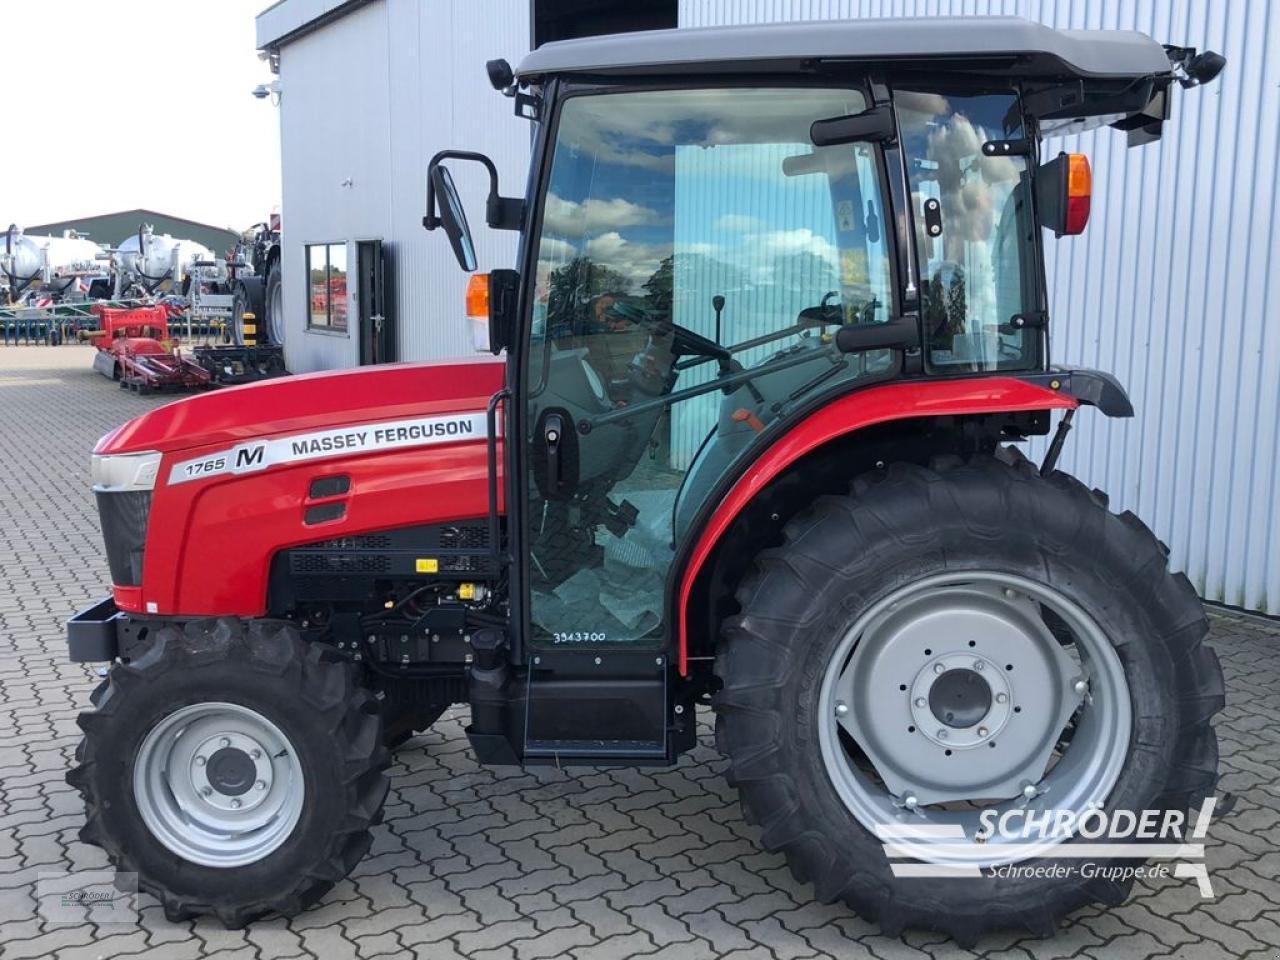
x: 874, y: 125
x: 453, y: 218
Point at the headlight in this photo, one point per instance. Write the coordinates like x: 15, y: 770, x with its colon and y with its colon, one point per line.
x: 118, y: 473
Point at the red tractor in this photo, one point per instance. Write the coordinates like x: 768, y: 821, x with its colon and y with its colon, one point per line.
x: 778, y: 324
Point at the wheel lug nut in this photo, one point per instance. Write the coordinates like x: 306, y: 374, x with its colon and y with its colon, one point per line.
x: 261, y: 785
x: 910, y: 801
x: 842, y: 708
x: 977, y: 664
x: 942, y: 734
x: 206, y: 791
x: 225, y: 741
x: 256, y: 754
x: 921, y: 702
x: 235, y: 804
x: 939, y: 668
x: 983, y: 731
x: 1002, y: 698
x: 201, y: 761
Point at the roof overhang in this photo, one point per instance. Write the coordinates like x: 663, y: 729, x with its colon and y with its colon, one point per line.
x: 287, y: 20
x: 1012, y: 46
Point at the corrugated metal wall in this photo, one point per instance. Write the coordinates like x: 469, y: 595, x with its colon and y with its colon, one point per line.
x: 368, y: 99
x: 1175, y: 287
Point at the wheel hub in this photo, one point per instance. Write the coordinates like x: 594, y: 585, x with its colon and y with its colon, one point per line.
x: 218, y: 784
x: 958, y: 693
x: 960, y: 697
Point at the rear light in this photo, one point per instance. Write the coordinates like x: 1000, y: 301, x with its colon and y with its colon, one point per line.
x: 478, y: 310
x: 1079, y: 193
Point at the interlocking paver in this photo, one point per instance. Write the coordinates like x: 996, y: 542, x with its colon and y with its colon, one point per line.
x: 515, y: 864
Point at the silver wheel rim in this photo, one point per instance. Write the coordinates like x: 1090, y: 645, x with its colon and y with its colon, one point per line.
x: 218, y: 784
x: 900, y: 688
x: 275, y: 311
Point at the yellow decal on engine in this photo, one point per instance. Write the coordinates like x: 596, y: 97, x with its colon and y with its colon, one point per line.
x: 427, y: 565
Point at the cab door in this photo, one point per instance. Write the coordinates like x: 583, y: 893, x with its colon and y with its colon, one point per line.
x: 694, y: 254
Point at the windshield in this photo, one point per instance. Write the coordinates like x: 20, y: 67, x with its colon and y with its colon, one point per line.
x: 974, y: 229
x: 696, y: 256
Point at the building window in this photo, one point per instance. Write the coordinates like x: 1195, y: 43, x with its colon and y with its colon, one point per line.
x: 327, y: 286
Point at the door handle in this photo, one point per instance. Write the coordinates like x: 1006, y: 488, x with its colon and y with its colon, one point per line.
x: 552, y: 436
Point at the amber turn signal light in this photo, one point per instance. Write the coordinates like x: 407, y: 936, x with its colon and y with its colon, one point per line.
x: 478, y: 295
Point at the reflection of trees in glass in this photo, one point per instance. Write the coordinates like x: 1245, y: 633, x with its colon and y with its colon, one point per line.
x: 572, y: 287
x: 945, y: 306
x: 658, y: 288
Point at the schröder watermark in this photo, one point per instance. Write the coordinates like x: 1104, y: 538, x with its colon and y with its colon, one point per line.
x: 88, y: 896
x: 1009, y: 843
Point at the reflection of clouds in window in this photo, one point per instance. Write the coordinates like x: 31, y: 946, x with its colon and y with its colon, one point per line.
x: 636, y: 262
x: 645, y: 132
x: 970, y: 186
x: 593, y: 215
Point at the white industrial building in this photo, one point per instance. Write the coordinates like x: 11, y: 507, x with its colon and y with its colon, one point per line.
x: 1173, y: 287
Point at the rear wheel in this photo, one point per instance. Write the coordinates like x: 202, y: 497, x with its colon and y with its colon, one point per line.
x: 967, y: 638
x: 274, y: 307
x: 247, y: 298
x: 232, y: 767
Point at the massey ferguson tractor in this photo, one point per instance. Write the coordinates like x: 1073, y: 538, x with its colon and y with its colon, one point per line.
x: 749, y: 441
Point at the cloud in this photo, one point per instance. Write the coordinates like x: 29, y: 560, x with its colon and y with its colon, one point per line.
x: 594, y: 216
x: 970, y: 203
x: 555, y: 249
x: 637, y: 262
x: 800, y: 240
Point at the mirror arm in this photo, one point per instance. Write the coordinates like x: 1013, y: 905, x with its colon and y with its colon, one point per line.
x: 501, y: 213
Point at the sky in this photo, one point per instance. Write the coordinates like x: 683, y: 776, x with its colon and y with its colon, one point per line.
x: 136, y: 103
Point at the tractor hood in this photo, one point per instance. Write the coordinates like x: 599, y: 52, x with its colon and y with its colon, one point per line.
x: 311, y: 402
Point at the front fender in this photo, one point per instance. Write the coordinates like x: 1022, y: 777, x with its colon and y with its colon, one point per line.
x: 852, y: 412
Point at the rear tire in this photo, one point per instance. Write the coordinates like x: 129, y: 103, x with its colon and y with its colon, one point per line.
x: 903, y: 524
x: 247, y: 298
x: 273, y: 308
x: 321, y: 739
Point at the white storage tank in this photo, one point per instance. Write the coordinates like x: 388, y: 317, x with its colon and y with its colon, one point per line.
x: 156, y: 262
x: 52, y: 264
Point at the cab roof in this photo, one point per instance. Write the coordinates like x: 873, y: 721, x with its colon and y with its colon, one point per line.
x: 1013, y: 45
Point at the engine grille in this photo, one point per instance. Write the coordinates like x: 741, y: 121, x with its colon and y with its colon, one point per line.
x: 123, y: 515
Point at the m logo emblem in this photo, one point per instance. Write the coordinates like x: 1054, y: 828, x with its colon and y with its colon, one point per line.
x: 249, y: 457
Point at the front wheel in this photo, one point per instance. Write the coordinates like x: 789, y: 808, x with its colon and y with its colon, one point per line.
x: 948, y: 643
x: 234, y: 768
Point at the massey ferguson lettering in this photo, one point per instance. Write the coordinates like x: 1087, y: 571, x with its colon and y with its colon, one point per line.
x: 371, y: 438
x: 346, y: 441
x: 450, y: 428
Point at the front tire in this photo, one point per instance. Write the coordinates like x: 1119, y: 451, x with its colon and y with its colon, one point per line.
x: 234, y: 768
x: 980, y: 521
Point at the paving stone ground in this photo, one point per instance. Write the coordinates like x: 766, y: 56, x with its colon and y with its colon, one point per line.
x: 508, y: 864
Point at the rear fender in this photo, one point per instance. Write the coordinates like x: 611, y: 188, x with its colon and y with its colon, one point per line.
x: 850, y: 413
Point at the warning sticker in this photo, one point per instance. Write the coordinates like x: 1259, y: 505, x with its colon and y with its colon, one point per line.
x: 366, y: 438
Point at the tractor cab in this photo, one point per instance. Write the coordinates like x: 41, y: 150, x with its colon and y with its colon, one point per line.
x: 727, y: 230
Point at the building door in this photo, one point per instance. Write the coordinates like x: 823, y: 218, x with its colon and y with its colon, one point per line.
x: 377, y: 332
